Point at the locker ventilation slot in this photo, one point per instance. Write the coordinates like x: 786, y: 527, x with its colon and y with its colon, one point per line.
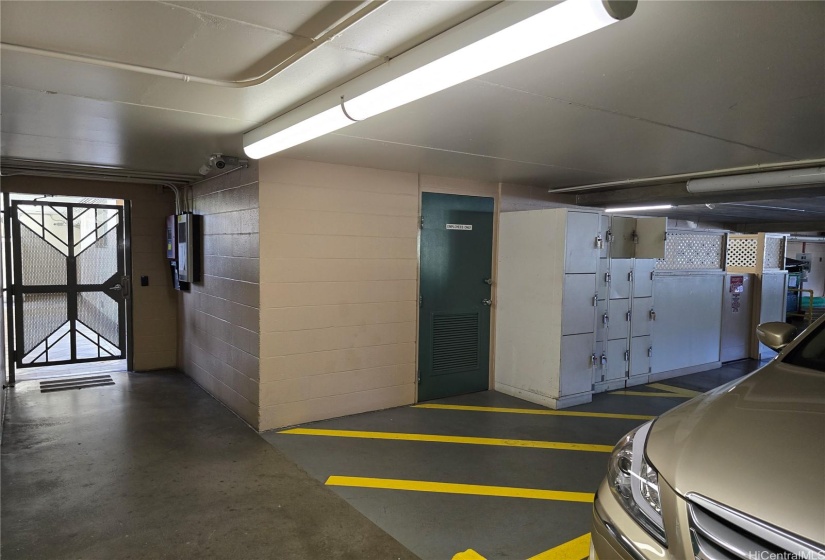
x: 455, y: 342
x: 68, y: 383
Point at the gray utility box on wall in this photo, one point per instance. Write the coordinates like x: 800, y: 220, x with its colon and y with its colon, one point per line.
x: 189, y: 251
x: 552, y: 340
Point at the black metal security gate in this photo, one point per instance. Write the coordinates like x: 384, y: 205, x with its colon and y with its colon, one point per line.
x: 69, y: 283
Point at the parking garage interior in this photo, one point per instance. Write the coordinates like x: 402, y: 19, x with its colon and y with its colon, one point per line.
x: 418, y: 332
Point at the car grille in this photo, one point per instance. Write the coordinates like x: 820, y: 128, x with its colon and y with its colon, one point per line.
x: 721, y: 533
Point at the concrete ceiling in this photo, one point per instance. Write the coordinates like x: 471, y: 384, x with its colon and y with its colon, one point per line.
x: 679, y: 87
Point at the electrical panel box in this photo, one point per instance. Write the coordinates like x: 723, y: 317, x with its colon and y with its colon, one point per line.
x: 188, y: 241
x: 171, y: 237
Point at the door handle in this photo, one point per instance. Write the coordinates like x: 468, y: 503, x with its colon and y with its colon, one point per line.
x: 487, y: 301
x: 488, y: 281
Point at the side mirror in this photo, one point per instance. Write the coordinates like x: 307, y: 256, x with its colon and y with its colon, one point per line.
x: 775, y: 335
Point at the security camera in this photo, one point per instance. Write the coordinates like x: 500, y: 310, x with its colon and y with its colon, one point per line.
x: 220, y: 161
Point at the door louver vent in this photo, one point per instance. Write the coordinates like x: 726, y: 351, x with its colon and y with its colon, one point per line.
x: 455, y: 342
x: 68, y: 383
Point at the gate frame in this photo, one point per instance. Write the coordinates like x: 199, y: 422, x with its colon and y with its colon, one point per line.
x: 124, y: 256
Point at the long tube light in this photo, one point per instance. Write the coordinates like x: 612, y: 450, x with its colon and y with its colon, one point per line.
x: 749, y: 181
x: 508, y: 35
x: 640, y: 208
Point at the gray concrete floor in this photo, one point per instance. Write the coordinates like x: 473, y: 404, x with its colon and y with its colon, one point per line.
x: 153, y: 467
x: 438, y: 525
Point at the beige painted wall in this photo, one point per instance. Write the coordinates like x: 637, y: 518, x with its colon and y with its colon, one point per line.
x: 220, y: 323
x: 338, y: 290
x: 154, y: 306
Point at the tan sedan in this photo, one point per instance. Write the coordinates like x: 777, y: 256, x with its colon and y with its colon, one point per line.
x: 736, y: 473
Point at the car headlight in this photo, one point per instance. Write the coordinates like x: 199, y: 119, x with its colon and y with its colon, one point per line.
x: 636, y: 483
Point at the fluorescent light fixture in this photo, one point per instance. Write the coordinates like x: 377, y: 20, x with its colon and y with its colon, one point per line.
x: 450, y: 59
x: 750, y: 181
x: 640, y: 208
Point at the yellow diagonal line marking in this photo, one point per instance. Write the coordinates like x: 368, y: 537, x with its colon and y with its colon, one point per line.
x: 468, y: 554
x: 452, y: 488
x: 677, y: 390
x: 452, y: 439
x: 535, y: 411
x: 577, y: 549
x: 648, y: 394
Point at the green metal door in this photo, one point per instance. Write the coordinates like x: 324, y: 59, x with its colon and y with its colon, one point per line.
x: 456, y: 272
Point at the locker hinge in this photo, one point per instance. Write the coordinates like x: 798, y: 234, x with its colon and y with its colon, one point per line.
x: 609, y: 236
x: 665, y: 236
x: 604, y: 360
x: 593, y: 360
x: 651, y: 275
x: 635, y: 237
x: 421, y: 223
x: 599, y: 242
x: 418, y: 379
x: 420, y: 301
x: 650, y: 352
x: 595, y: 300
x: 626, y: 355
x: 627, y: 317
x: 607, y: 278
x: 652, y: 315
x: 630, y: 276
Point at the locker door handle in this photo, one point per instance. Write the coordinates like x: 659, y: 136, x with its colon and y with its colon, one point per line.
x: 650, y: 352
x: 605, y: 319
x: 487, y: 301
x: 595, y: 300
x: 488, y: 281
x: 604, y: 360
x: 626, y: 356
x: 593, y: 360
x: 607, y: 278
x: 630, y: 276
x: 599, y: 242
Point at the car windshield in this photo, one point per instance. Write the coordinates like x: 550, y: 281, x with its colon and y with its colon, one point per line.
x: 810, y: 352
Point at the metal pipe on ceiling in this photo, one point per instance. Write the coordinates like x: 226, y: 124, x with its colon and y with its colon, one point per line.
x: 663, y: 179
x: 354, y: 16
x: 11, y: 167
x: 806, y: 239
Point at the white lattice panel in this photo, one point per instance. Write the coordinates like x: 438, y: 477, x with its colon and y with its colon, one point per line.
x: 741, y: 252
x: 774, y: 258
x: 692, y: 251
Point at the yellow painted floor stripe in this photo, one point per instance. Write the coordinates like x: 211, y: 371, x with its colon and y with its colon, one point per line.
x: 677, y: 390
x: 468, y: 554
x: 548, y: 412
x: 453, y: 488
x: 577, y: 549
x: 648, y: 394
x: 452, y: 439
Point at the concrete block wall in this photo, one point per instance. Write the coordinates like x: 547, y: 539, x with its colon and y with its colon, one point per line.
x: 338, y: 290
x: 220, y: 322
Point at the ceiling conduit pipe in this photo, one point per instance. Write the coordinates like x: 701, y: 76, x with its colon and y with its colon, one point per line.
x: 662, y: 179
x: 360, y: 12
x: 10, y: 167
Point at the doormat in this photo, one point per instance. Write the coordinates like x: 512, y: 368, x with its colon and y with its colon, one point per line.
x: 69, y: 383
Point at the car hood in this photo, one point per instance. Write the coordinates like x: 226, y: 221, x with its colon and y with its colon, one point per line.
x: 756, y: 445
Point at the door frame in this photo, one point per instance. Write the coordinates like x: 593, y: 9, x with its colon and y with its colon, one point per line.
x: 480, y: 192
x: 8, y: 292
